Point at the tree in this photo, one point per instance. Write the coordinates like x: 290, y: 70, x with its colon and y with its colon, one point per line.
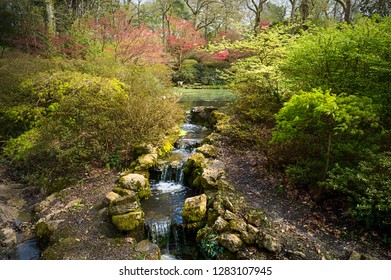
x: 347, y: 8
x: 256, y: 6
x: 130, y: 44
x: 323, y: 117
x: 183, y: 40
x: 351, y: 59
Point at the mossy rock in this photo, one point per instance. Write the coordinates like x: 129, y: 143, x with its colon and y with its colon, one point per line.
x: 123, y: 205
x: 207, y: 150
x: 128, y: 221
x: 193, y: 169
x: 194, y: 211
x: 147, y: 161
x: 44, y: 231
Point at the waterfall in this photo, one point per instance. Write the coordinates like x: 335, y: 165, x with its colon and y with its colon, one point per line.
x: 163, y: 210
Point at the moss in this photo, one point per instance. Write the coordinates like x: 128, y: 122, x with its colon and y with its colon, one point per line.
x: 44, y: 231
x: 128, y: 221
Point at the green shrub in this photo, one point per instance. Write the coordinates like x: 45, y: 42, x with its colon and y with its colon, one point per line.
x: 368, y: 189
x: 89, y: 121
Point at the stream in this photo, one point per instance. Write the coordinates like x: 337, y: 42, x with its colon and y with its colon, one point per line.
x: 163, y: 210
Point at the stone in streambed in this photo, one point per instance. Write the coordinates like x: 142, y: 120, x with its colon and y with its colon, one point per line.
x: 128, y: 221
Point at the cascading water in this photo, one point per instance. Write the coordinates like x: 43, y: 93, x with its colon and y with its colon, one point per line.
x: 163, y: 210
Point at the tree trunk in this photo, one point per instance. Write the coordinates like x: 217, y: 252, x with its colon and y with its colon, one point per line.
x: 327, y: 166
x: 50, y: 18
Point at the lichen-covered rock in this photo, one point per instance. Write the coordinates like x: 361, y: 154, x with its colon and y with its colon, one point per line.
x: 194, y: 210
x: 252, y: 230
x: 247, y: 237
x: 193, y: 168
x: 255, y: 217
x: 228, y: 215
x: 123, y: 205
x: 202, y: 115
x: 133, y: 181
x: 8, y: 237
x: 238, y: 225
x: 136, y: 182
x: 128, y: 221
x: 124, y: 192
x: 220, y: 224
x: 231, y: 241
x: 211, y: 174
x: 207, y: 150
x: 148, y: 250
x: 147, y: 161
x: 269, y: 243
x: 111, y: 196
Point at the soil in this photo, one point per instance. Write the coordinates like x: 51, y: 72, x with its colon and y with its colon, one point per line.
x: 323, y: 229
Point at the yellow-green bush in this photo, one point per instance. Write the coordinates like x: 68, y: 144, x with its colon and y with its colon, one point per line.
x: 78, y: 120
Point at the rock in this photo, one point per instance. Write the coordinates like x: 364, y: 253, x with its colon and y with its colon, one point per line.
x: 194, y: 209
x: 128, y: 221
x: 207, y: 150
x: 46, y: 203
x: 357, y: 256
x: 133, y: 181
x: 149, y: 250
x: 228, y: 204
x: 238, y: 225
x: 147, y: 161
x: 202, y: 115
x: 123, y: 205
x: 247, y: 237
x: 111, y: 196
x: 73, y: 203
x: 136, y: 182
x: 255, y: 217
x: 269, y: 243
x: 228, y: 215
x: 211, y: 174
x: 124, y: 192
x: 231, y: 241
x: 8, y: 237
x: 252, y: 230
x: 220, y: 224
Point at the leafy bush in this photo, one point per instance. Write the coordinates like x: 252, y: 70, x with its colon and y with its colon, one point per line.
x: 84, y: 121
x: 347, y: 58
x: 320, y: 124
x: 368, y: 189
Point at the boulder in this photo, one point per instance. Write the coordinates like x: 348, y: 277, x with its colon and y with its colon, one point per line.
x: 194, y: 210
x: 207, y: 150
x: 228, y: 215
x: 135, y: 182
x: 269, y: 243
x: 128, y: 221
x: 111, y: 196
x: 8, y: 237
x: 147, y: 161
x: 149, y: 250
x: 220, y: 224
x: 238, y: 225
x: 124, y: 192
x: 247, y: 237
x: 211, y: 174
x: 123, y: 205
x: 202, y: 115
x: 255, y: 217
x: 231, y: 241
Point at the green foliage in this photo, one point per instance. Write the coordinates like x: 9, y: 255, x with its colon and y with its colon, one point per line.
x: 351, y: 59
x: 75, y: 120
x: 368, y: 189
x: 210, y: 247
x: 321, y: 125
